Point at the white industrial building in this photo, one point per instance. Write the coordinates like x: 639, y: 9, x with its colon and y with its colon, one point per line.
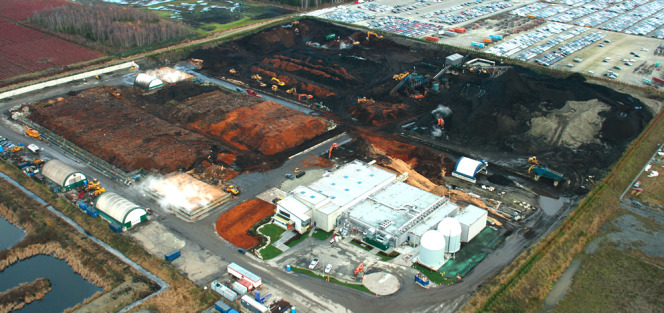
x: 64, y: 175
x: 363, y: 199
x: 117, y: 209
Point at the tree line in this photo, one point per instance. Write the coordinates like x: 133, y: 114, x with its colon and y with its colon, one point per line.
x: 115, y: 25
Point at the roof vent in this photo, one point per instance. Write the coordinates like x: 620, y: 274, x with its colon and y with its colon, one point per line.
x: 346, y: 176
x: 334, y: 184
x: 313, y: 197
x: 372, y: 175
x: 334, y: 197
x: 359, y: 182
x: 347, y: 189
x: 302, y: 192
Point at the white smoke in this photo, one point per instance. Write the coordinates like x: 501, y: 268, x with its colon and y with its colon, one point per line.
x: 442, y: 111
x: 344, y: 45
x: 436, y: 132
x: 180, y: 191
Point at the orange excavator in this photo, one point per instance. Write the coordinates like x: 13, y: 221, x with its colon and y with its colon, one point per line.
x: 359, y: 269
x: 334, y: 146
x: 304, y: 96
x: 31, y: 133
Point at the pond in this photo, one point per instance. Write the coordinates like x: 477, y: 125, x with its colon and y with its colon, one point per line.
x: 67, y: 287
x: 9, y: 234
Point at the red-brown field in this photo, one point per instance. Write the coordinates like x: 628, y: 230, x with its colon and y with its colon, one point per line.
x: 234, y: 224
x: 22, y: 9
x: 23, y: 51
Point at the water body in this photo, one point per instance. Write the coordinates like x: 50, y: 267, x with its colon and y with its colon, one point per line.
x: 67, y: 287
x: 551, y: 206
x: 9, y: 234
x: 561, y: 286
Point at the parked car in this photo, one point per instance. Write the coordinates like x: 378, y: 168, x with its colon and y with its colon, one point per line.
x: 313, y: 264
x: 300, y: 174
x: 328, y: 268
x: 290, y: 176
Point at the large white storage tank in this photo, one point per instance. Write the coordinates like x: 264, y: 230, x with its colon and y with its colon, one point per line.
x: 432, y: 249
x: 451, y: 230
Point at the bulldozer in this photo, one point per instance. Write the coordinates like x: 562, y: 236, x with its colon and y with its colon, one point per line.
x: 256, y: 77
x: 400, y: 76
x: 373, y: 33
x: 292, y: 91
x: 278, y: 82
x: 31, y: 133
x: 275, y: 88
x: 304, y: 96
x: 233, y: 190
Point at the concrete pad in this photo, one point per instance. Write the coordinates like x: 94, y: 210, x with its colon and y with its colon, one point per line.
x: 382, y: 283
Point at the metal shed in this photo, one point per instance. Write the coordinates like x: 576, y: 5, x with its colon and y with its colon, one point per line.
x: 467, y: 169
x: 115, y: 208
x: 147, y: 82
x: 63, y: 174
x: 454, y: 59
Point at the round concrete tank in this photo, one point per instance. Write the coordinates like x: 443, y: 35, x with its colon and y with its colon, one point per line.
x: 432, y: 248
x: 451, y: 230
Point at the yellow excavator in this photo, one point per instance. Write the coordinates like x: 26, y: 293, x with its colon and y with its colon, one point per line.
x: 373, y: 33
x: 292, y: 91
x: 297, y: 170
x: 93, y: 185
x: 256, y: 77
x: 278, y: 82
x: 98, y: 192
x: 275, y: 88
x: 31, y: 133
x: 262, y: 84
x: 400, y: 76
x: 233, y: 190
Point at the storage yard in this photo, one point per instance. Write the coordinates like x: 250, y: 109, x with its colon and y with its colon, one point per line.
x: 547, y: 33
x: 425, y: 167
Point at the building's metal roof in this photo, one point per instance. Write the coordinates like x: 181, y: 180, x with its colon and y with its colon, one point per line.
x: 468, y: 167
x: 58, y: 172
x: 116, y: 206
x: 470, y: 215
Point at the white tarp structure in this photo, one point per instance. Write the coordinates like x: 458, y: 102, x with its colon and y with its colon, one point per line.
x: 468, y: 168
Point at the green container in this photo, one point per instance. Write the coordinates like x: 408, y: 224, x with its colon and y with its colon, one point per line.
x: 657, y: 64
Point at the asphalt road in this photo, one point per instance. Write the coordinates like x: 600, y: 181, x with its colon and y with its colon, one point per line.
x: 316, y: 295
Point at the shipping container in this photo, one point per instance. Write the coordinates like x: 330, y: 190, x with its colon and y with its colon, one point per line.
x: 647, y: 81
x: 82, y: 205
x: 23, y: 165
x: 430, y: 38
x: 222, y: 307
x: 252, y: 305
x: 450, y: 34
x: 92, y: 212
x: 239, y: 288
x: 487, y: 40
x: 496, y: 37
x: 246, y: 283
x: 421, y: 279
x: 172, y: 255
x: 240, y: 272
x: 115, y: 227
x: 658, y: 80
x: 460, y: 30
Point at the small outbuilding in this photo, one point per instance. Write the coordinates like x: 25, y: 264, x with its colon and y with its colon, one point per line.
x: 64, y: 175
x: 116, y: 208
x: 147, y: 82
x: 454, y: 59
x: 472, y: 220
x: 467, y: 169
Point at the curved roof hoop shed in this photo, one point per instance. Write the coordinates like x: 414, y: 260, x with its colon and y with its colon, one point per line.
x: 467, y: 169
x: 147, y: 82
x: 117, y: 208
x: 63, y: 174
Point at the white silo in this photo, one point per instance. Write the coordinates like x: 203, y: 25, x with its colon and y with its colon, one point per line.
x: 432, y: 249
x: 451, y: 230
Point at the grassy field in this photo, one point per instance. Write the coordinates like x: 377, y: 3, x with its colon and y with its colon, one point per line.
x: 182, y: 296
x: 523, y: 285
x: 272, y: 231
x: 321, y: 235
x: 359, y: 287
x: 612, y: 280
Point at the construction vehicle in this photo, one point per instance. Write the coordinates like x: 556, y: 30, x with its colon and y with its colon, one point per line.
x: 115, y: 94
x: 233, y: 190
x: 17, y: 148
x: 400, y: 76
x: 262, y: 84
x: 98, y: 77
x: 334, y: 146
x: 253, y: 93
x: 330, y: 36
x: 197, y: 62
x: 292, y: 91
x: 93, y: 185
x: 441, y: 123
x: 278, y: 82
x: 373, y: 33
x: 96, y: 193
x: 232, y: 71
x: 38, y: 162
x: 364, y: 100
x: 135, y: 67
x: 538, y: 171
x: 275, y: 88
x: 30, y: 132
x: 256, y: 77
x: 304, y: 96
x: 359, y: 269
x: 297, y: 170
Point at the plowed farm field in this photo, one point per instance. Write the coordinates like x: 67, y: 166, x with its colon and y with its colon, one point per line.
x: 23, y: 9
x: 24, y: 51
x: 234, y: 224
